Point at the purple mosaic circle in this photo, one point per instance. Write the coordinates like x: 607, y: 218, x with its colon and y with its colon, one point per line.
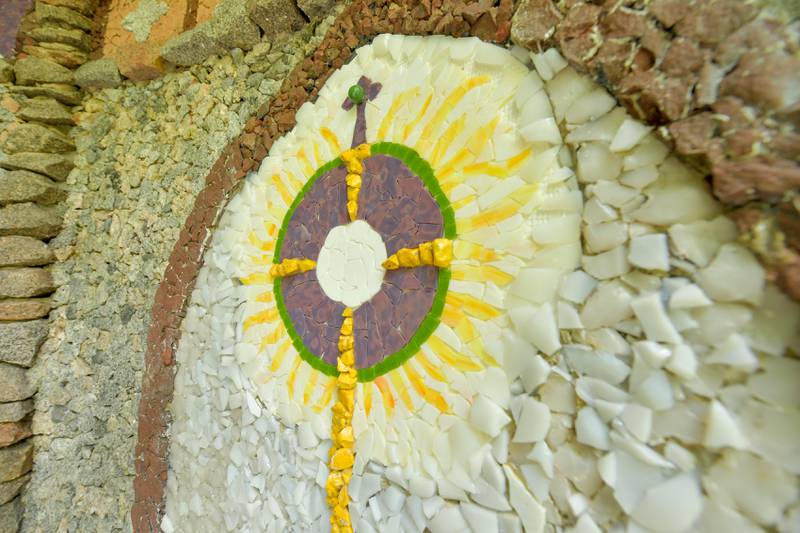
x: 400, y: 209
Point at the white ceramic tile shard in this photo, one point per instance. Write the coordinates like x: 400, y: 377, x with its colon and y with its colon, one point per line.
x: 646, y: 374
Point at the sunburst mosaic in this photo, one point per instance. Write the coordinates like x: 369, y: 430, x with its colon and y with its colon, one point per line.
x: 468, y: 293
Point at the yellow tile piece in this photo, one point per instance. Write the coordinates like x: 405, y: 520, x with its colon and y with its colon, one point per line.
x: 481, y: 273
x: 411, y: 125
x: 273, y: 336
x: 386, y: 394
x: 280, y: 353
x: 468, y: 250
x: 327, y: 394
x: 432, y: 127
x: 342, y: 458
x: 442, y: 252
x: 310, y: 386
x: 265, y: 297
x: 444, y: 142
x: 408, y: 257
x: 331, y: 139
x: 284, y: 192
x: 450, y: 357
x: 400, y: 388
x: 293, y: 376
x: 259, y: 278
x: 431, y: 368
x: 502, y: 210
x: 262, y: 317
x: 399, y: 101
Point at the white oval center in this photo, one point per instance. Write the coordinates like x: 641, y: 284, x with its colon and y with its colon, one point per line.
x: 349, y: 266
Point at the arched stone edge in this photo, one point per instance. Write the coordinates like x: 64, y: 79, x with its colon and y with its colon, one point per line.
x: 357, y: 24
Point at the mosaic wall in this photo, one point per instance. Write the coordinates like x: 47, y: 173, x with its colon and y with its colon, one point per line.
x: 469, y: 292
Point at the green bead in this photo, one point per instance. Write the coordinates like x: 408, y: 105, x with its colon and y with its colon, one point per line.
x: 356, y: 94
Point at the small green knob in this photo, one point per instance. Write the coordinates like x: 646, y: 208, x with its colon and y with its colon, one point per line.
x: 356, y: 94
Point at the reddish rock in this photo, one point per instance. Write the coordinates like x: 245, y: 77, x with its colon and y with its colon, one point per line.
x: 683, y: 58
x: 788, y: 220
x: 737, y: 182
x: 788, y: 277
x: 655, y: 40
x: 534, y: 23
x: 24, y: 309
x: 693, y: 134
x: 668, y: 12
x: 576, y: 35
x: 610, y: 64
x: 652, y: 97
x: 767, y: 80
x: 140, y: 60
x: 11, y: 432
x: 711, y: 21
x: 624, y: 22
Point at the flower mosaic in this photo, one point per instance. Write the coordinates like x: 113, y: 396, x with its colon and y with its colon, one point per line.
x: 469, y: 293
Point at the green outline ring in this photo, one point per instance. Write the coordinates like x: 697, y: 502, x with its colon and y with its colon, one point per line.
x: 423, y: 170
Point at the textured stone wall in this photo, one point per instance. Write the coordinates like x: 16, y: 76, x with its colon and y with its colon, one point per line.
x: 143, y: 153
x: 36, y: 153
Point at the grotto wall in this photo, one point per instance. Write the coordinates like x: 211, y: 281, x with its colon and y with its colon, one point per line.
x: 147, y: 141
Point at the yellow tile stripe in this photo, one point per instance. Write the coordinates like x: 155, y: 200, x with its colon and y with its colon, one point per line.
x: 262, y: 317
x: 446, y: 106
x: 341, y: 453
x: 411, y: 125
x: 331, y: 139
x: 398, y: 102
x: 280, y: 353
x: 481, y: 273
x: 450, y: 357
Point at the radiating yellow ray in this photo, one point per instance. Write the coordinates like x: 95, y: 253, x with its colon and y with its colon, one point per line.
x: 472, y: 149
x: 262, y: 317
x: 284, y: 192
x: 450, y: 357
x: 310, y: 385
x: 398, y: 102
x: 411, y: 125
x: 431, y: 128
x: 367, y: 397
x: 458, y: 204
x: 264, y: 246
x: 272, y: 337
x: 294, y: 182
x: 327, y: 394
x: 498, y: 170
x: 318, y: 159
x: 261, y: 260
x: 431, y: 368
x: 386, y: 394
x: 471, y: 305
x: 293, y: 376
x: 481, y: 273
x: 280, y: 353
x: 477, y: 347
x: 500, y: 211
x: 524, y: 194
x: 430, y: 395
x: 305, y: 164
x: 257, y: 278
x: 331, y: 139
x: 443, y: 143
x: 265, y: 297
x: 469, y: 250
x: 400, y: 388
